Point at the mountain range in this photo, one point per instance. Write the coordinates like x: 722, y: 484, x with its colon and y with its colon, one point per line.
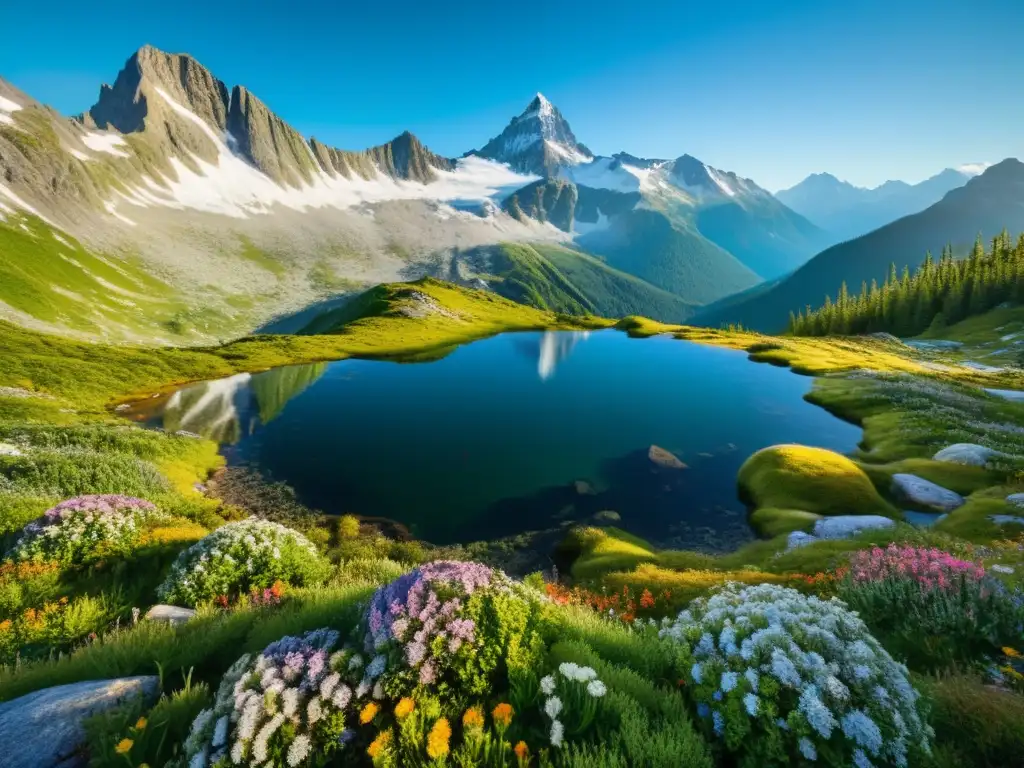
x: 846, y: 211
x: 179, y: 209
x: 984, y: 205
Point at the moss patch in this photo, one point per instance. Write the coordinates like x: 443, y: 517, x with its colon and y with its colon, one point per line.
x: 797, y: 477
x: 770, y: 522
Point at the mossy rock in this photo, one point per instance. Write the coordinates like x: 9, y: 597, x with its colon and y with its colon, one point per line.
x: 599, y: 550
x: 770, y: 522
x: 798, y: 477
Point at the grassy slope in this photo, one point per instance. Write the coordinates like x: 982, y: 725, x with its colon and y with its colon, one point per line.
x: 565, y: 280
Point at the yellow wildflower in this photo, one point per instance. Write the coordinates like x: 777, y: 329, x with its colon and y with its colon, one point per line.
x: 437, y: 741
x: 369, y: 712
x: 1013, y: 653
x: 123, y: 746
x: 502, y: 715
x: 404, y: 707
x: 379, y: 744
x: 140, y: 724
x: 474, y: 718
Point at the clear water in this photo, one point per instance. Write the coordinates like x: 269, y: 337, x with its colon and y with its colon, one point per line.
x: 520, y: 432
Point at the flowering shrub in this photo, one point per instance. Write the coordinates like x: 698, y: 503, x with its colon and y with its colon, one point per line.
x: 931, y: 568
x: 86, y: 528
x: 570, y: 700
x: 778, y: 676
x: 251, y: 554
x: 450, y: 623
x: 929, y: 608
x: 624, y: 605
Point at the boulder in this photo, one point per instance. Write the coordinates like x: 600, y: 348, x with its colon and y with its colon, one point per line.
x: 664, y: 459
x: 925, y: 493
x: 1017, y: 499
x: 45, y: 729
x: 799, y: 539
x: 583, y: 488
x: 1006, y: 519
x: 170, y: 613
x: 972, y: 454
x: 933, y: 344
x: 845, y: 526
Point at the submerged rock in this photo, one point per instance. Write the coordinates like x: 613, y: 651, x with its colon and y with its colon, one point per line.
x: 925, y: 493
x: 844, y: 526
x: 607, y: 516
x: 664, y: 459
x: 170, y: 613
x: 972, y: 454
x: 583, y: 488
x: 45, y: 728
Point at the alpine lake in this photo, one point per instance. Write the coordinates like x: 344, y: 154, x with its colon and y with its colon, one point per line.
x: 519, y: 432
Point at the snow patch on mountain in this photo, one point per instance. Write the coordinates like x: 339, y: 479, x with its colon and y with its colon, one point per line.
x: 604, y: 173
x: 6, y: 105
x: 105, y: 142
x: 233, y: 187
x: 973, y: 169
x: 19, y: 203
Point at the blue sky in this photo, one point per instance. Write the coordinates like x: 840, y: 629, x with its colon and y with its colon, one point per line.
x: 865, y: 89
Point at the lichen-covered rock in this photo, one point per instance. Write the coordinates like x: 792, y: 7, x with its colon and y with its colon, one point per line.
x: 971, y: 454
x: 45, y: 729
x: 925, y: 493
x: 844, y: 526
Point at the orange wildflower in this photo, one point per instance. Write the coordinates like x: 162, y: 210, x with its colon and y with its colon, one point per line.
x: 437, y: 740
x: 1013, y: 653
x: 522, y: 753
x: 140, y: 724
x: 379, y: 744
x: 647, y: 599
x: 404, y: 707
x: 124, y: 746
x: 502, y: 714
x: 369, y: 712
x: 474, y: 718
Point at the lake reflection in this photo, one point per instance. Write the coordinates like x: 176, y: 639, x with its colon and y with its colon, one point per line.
x: 523, y: 431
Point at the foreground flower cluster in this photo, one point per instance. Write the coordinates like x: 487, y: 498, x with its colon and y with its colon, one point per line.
x: 931, y: 568
x: 239, y: 557
x: 86, y: 528
x: 304, y: 699
x: 779, y: 676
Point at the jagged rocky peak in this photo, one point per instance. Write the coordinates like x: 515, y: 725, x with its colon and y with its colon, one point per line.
x: 405, y: 157
x: 547, y: 200
x: 538, y: 141
x: 126, y: 105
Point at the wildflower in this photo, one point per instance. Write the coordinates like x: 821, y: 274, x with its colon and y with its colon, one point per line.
x: 378, y: 744
x: 437, y: 740
x: 547, y: 685
x: 404, y: 707
x: 368, y: 713
x: 696, y: 672
x: 140, y: 724
x: 729, y: 681
x: 299, y: 749
x: 1013, y: 653
x: 502, y: 713
x: 557, y: 733
x: 552, y: 707
x: 596, y: 689
x: 473, y: 718
x: 807, y: 749
x: 719, y: 722
x: 522, y: 752
x: 124, y: 746
x: 646, y: 599
x: 750, y: 703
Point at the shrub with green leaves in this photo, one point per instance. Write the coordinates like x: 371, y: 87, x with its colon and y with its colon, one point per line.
x: 779, y: 678
x: 239, y: 557
x: 86, y: 528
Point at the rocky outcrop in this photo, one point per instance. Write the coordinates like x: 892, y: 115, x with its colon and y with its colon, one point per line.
x: 267, y: 141
x: 406, y: 158
x: 971, y: 454
x: 838, y: 527
x: 45, y: 729
x: 553, y: 201
x: 924, y: 493
x: 172, y: 614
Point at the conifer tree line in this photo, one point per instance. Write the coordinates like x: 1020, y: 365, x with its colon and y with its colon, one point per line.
x: 938, y: 294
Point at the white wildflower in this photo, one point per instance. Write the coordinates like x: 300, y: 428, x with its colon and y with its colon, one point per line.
x: 547, y: 685
x: 552, y: 707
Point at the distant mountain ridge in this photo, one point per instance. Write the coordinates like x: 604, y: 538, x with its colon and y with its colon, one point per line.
x: 986, y: 204
x: 848, y: 211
